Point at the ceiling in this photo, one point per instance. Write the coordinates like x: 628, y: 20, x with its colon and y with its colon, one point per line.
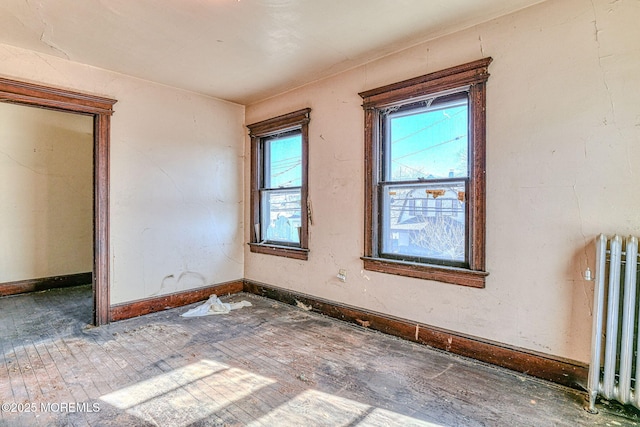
x: 239, y: 50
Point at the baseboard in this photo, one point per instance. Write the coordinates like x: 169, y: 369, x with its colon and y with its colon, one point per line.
x: 45, y: 283
x: 150, y: 305
x: 562, y: 371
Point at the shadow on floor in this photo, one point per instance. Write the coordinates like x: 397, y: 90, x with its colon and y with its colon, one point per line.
x: 39, y: 315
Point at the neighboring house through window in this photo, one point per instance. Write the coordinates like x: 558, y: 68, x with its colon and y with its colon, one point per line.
x: 279, y: 159
x: 425, y: 176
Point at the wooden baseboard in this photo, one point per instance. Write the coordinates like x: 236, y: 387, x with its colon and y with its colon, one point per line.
x: 562, y: 371
x: 178, y: 299
x: 45, y: 283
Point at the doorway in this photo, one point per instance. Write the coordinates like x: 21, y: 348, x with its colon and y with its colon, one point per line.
x: 100, y: 109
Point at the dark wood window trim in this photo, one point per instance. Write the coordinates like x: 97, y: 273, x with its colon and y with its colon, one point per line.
x: 101, y: 109
x: 471, y: 77
x: 297, y: 120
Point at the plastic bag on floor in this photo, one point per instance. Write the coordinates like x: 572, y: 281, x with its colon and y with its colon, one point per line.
x: 214, y: 306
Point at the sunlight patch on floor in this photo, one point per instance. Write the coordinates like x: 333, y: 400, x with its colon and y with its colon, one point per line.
x: 188, y: 394
x: 313, y: 407
x: 197, y: 391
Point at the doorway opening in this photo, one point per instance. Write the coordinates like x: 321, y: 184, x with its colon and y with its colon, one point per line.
x: 100, y: 109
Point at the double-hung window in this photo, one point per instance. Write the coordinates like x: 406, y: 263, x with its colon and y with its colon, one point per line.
x: 425, y: 176
x: 279, y: 158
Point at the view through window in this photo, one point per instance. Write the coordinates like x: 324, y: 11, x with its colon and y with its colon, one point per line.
x: 280, y: 198
x: 425, y: 179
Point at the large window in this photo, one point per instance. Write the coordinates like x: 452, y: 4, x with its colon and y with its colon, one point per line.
x: 279, y: 185
x: 425, y: 176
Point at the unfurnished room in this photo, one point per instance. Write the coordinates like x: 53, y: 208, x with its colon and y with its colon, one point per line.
x: 319, y: 213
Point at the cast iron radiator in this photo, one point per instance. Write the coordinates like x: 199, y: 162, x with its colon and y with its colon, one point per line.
x: 613, y: 371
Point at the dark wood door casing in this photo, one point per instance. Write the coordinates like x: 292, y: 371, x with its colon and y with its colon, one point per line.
x: 101, y: 109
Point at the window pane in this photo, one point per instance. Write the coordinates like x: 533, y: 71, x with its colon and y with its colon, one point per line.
x: 429, y: 143
x: 424, y: 221
x: 283, y: 162
x: 281, y: 216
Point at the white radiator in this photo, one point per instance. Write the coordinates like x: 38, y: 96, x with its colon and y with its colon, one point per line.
x: 614, y: 370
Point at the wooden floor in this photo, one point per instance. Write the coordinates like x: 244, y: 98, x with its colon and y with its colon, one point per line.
x: 265, y: 365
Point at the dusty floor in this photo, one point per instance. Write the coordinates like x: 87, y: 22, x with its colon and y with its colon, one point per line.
x: 265, y: 365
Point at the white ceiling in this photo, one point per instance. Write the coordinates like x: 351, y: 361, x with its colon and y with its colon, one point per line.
x: 238, y: 50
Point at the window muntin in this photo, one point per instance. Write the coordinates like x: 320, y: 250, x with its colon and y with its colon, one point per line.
x: 402, y: 193
x: 425, y: 147
x: 280, y: 192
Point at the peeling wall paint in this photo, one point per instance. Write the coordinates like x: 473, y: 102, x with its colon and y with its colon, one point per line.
x: 562, y: 143
x: 177, y: 201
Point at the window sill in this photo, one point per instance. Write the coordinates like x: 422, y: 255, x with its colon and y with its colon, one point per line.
x: 453, y: 275
x: 283, y: 251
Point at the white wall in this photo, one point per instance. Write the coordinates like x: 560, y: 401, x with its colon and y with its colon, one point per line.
x: 176, y: 199
x: 46, y: 193
x: 563, y: 153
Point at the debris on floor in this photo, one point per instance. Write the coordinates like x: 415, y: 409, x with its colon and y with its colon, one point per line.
x: 214, y: 306
x: 303, y: 306
x: 303, y: 378
x: 363, y: 323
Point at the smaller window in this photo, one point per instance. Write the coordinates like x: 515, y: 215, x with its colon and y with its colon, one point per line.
x: 279, y: 158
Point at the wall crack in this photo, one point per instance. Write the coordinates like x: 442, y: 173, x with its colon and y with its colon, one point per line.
x: 597, y: 32
x: 46, y: 28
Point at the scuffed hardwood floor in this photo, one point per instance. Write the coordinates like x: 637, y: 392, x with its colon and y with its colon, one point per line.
x: 265, y: 365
